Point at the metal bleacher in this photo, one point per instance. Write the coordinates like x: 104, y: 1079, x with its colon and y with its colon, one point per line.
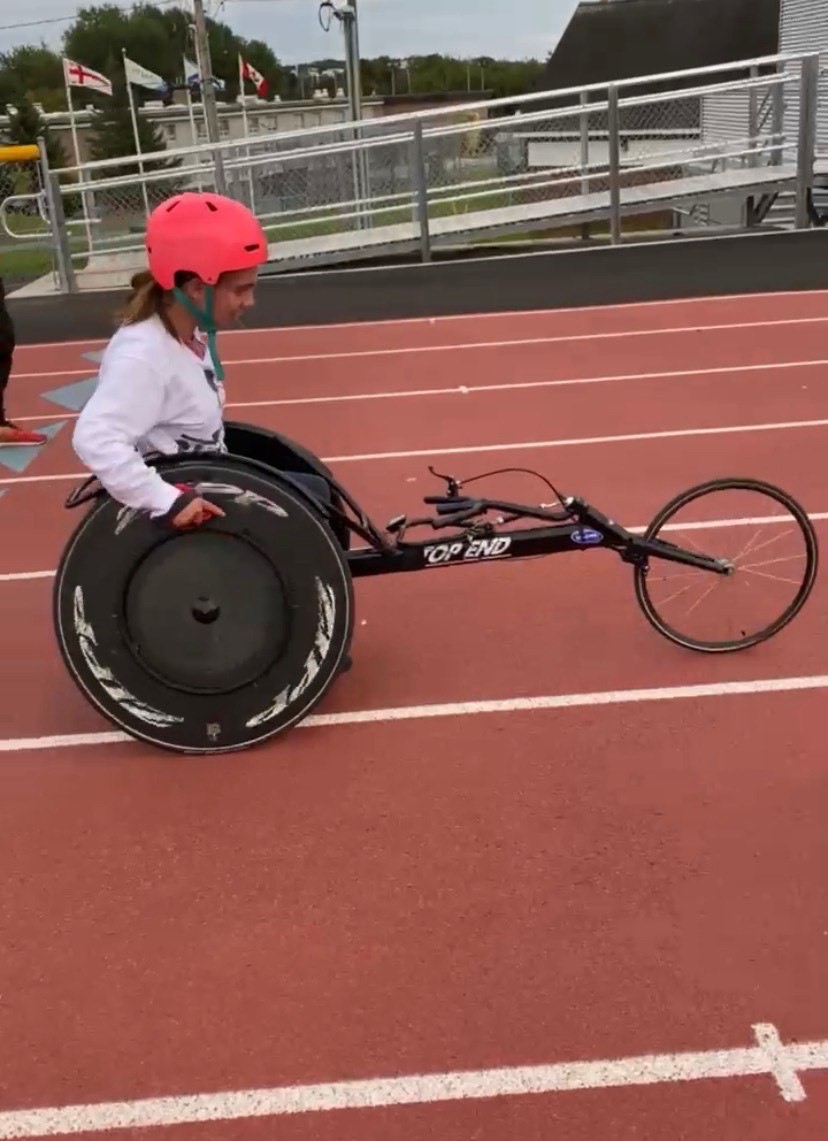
x: 716, y: 143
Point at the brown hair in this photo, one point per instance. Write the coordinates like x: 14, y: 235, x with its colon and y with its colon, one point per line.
x: 147, y: 299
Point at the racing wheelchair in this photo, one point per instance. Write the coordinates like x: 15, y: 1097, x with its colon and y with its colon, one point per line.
x: 217, y: 639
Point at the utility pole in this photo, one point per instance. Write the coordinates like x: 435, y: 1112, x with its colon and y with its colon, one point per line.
x: 350, y: 22
x: 356, y: 85
x: 208, y: 91
x: 346, y: 12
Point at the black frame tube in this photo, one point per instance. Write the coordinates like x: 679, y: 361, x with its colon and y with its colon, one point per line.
x: 477, y: 541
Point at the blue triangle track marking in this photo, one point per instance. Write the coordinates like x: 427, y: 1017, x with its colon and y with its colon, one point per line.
x: 72, y: 396
x: 17, y: 458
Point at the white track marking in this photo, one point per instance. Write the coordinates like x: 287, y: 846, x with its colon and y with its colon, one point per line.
x: 466, y: 346
x: 502, y: 314
x: 477, y: 389
x: 469, y: 709
x: 519, y: 446
x: 702, y: 525
x: 576, y: 442
x: 781, y: 1062
x: 26, y: 576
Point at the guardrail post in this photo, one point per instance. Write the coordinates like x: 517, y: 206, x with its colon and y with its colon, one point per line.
x: 778, y: 121
x: 806, y: 148
x: 420, y: 187
x: 613, y: 124
x: 57, y: 224
x: 753, y: 120
x: 584, y: 101
x: 60, y: 233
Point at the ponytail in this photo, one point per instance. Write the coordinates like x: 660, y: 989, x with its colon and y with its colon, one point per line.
x: 145, y: 300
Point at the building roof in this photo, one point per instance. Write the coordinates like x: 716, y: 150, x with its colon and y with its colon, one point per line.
x: 627, y: 38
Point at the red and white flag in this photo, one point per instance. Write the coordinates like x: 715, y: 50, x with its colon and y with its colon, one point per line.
x: 255, y: 77
x: 76, y: 75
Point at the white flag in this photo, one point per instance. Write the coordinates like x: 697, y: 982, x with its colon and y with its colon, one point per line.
x: 192, y: 75
x: 142, y: 77
x: 76, y: 75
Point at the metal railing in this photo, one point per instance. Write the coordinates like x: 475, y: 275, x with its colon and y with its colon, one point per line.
x: 26, y: 235
x: 411, y: 181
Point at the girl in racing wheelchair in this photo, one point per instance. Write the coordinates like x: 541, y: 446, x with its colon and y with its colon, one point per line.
x: 160, y: 387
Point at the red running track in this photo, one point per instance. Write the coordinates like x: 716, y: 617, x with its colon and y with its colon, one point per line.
x: 467, y: 892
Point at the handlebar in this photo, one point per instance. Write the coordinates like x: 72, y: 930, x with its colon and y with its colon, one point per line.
x: 455, y: 511
x: 452, y: 501
x: 465, y: 508
x: 457, y: 506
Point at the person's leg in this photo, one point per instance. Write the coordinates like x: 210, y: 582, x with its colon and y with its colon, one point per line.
x: 10, y: 433
x: 315, y: 484
x: 5, y: 373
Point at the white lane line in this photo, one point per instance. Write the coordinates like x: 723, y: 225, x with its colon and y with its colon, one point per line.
x: 431, y: 1088
x: 701, y: 525
x: 578, y: 442
x: 26, y: 576
x: 520, y: 446
x: 477, y: 389
x: 466, y: 346
x: 469, y: 709
x: 704, y: 300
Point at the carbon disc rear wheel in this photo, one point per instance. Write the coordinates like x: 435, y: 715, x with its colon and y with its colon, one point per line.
x: 213, y: 640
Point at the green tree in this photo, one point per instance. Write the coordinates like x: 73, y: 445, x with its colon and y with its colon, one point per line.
x: 36, y: 71
x: 159, y: 38
x: 112, y: 136
x: 26, y: 126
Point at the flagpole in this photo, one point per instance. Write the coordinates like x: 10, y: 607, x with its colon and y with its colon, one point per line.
x: 134, y: 116
x: 193, y: 128
x: 73, y: 127
x: 243, y: 100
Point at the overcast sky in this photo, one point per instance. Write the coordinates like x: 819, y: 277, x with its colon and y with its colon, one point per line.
x: 515, y: 29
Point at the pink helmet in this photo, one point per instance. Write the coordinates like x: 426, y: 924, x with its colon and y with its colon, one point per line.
x: 205, y: 234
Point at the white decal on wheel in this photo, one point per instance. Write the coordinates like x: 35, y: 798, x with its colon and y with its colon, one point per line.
x: 245, y: 498
x: 87, y: 641
x: 313, y: 662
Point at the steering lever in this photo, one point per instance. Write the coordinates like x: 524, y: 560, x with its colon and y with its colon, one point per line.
x: 453, y: 485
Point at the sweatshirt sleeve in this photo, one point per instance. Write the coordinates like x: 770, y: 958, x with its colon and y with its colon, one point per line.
x: 127, y: 403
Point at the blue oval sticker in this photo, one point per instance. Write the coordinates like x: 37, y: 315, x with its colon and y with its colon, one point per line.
x: 586, y: 537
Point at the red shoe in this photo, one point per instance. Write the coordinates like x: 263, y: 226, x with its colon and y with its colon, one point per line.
x: 11, y: 435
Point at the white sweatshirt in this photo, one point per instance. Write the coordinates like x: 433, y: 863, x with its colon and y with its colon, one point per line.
x: 154, y: 396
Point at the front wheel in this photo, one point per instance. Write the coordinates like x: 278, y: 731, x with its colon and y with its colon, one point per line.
x: 770, y: 545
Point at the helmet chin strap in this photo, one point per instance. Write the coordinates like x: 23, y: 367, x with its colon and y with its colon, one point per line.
x: 206, y: 322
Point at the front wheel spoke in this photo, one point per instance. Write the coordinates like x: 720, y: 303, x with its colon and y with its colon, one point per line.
x: 772, y: 577
x: 752, y: 549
